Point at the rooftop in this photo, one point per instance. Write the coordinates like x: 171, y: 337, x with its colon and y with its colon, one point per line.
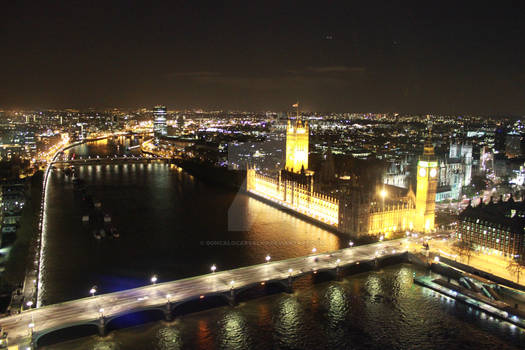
x: 509, y: 214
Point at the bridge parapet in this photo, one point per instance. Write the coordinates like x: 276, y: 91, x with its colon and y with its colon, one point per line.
x: 101, y: 310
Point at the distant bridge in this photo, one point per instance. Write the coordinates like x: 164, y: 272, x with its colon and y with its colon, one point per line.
x: 101, y: 311
x: 110, y: 160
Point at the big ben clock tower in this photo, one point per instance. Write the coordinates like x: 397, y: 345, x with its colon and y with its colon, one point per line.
x: 426, y: 189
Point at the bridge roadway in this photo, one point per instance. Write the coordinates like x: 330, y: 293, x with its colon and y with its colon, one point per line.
x: 108, y: 160
x: 87, y: 311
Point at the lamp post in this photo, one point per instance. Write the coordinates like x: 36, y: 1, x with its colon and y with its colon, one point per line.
x: 213, y: 268
x: 314, y: 250
x: 154, y: 279
x: 351, y: 243
x: 101, y: 311
x: 268, y: 258
x: 31, y: 327
x: 29, y: 304
x: 290, y: 286
x: 93, y: 290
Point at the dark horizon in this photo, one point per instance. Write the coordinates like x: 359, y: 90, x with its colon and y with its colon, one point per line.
x: 444, y: 58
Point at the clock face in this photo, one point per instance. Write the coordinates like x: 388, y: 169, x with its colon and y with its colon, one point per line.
x: 422, y: 172
x: 433, y: 172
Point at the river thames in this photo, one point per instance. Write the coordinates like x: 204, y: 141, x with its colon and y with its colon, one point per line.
x: 174, y: 226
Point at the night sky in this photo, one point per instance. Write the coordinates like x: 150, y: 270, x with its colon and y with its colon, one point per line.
x: 449, y: 57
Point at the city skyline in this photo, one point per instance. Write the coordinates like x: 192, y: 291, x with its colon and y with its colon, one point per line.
x: 260, y: 175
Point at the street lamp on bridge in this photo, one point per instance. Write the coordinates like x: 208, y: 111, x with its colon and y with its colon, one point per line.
x: 31, y: 327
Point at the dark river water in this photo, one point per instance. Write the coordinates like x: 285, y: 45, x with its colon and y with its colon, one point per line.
x: 175, y: 226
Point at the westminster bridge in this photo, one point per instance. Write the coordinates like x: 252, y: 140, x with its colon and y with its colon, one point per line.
x: 101, y: 311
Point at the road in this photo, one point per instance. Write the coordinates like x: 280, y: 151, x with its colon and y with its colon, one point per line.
x: 88, y: 309
x: 496, y: 265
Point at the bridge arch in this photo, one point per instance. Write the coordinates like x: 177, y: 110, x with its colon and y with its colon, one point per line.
x: 262, y: 288
x: 134, y: 317
x: 67, y: 332
x: 324, y: 275
x: 201, y: 303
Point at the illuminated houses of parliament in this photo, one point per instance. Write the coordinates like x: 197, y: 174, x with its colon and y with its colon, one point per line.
x: 356, y: 213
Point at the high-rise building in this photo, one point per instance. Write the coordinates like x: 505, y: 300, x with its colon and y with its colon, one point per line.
x: 513, y: 144
x: 499, y: 140
x: 160, y: 127
x: 180, y: 121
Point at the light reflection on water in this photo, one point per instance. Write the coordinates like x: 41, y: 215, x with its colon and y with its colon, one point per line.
x: 329, y: 315
x: 233, y: 331
x: 288, y: 323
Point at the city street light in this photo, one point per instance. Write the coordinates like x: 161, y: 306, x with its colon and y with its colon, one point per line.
x: 29, y: 303
x: 232, y: 282
x: 101, y: 311
x: 213, y: 268
x: 268, y: 258
x: 338, y: 261
x: 351, y: 244
x: 436, y: 259
x: 314, y: 249
x: 168, y: 296
x: 290, y: 271
x: 93, y: 290
x: 154, y: 279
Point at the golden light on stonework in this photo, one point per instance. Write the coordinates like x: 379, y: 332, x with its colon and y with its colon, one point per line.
x: 413, y: 211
